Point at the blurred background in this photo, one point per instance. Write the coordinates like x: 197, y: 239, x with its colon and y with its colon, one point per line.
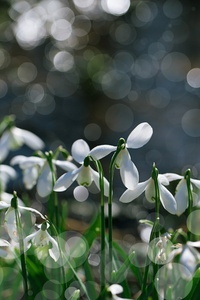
x: 95, y: 69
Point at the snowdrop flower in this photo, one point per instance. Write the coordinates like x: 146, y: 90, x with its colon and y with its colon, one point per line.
x: 181, y: 194
x: 166, y: 198
x: 136, y: 139
x: 14, y: 137
x: 10, y: 219
x: 36, y: 170
x: 190, y: 257
x: 41, y: 240
x: 6, y: 173
x: 84, y: 175
x: 114, y: 290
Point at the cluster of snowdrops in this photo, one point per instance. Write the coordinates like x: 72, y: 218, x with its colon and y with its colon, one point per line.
x: 169, y: 254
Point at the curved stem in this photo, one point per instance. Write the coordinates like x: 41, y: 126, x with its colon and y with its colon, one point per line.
x: 190, y: 199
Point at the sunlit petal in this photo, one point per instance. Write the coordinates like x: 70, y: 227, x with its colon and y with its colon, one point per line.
x: 128, y: 171
x: 29, y: 138
x: 181, y: 197
x: 167, y: 200
x: 80, y: 150
x: 139, y: 136
x: 99, y: 152
x: 115, y: 289
x: 65, y: 180
x: 130, y: 195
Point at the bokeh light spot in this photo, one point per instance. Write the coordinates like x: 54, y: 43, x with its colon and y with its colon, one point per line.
x: 116, y: 85
x: 114, y: 7
x: 193, y: 222
x: 119, y: 117
x: 174, y: 277
x: 27, y: 72
x: 191, y: 122
x: 193, y: 78
x: 92, y: 132
x: 175, y: 66
x: 141, y: 251
x: 80, y: 193
x: 63, y: 61
x: 172, y: 8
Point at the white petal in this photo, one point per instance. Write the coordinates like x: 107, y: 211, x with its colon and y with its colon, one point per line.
x: 95, y: 176
x: 4, y: 145
x: 27, y: 239
x: 173, y: 176
x: 65, y: 165
x: 167, y: 200
x: 27, y: 162
x: 128, y: 171
x: 10, y: 223
x: 80, y: 150
x: 65, y: 181
x: 44, y: 184
x: 181, y: 197
x: 196, y: 182
x: 130, y: 195
x: 54, y: 251
x: 115, y: 289
x: 6, y: 197
x: 139, y: 136
x: 30, y: 176
x: 85, y: 176
x: 29, y: 138
x: 194, y: 244
x: 163, y: 179
x: 4, y: 169
x: 99, y: 152
x: 4, y: 204
x: 150, y: 191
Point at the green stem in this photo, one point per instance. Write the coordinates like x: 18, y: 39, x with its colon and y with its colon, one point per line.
x: 103, y: 253
x: 14, y: 204
x: 53, y: 200
x: 190, y: 200
x: 156, y: 226
x: 111, y: 175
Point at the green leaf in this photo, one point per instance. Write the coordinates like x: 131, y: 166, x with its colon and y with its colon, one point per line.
x: 194, y: 293
x: 75, y: 295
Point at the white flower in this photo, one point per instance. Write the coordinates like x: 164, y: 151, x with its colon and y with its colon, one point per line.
x: 166, y: 198
x: 41, y: 239
x: 36, y: 170
x: 6, y: 173
x: 10, y: 219
x: 13, y: 138
x: 84, y: 175
x: 115, y: 289
x: 181, y: 195
x: 136, y: 139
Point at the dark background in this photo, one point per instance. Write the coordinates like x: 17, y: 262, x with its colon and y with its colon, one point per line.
x: 84, y: 69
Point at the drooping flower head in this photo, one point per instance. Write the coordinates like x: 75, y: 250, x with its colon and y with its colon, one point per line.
x: 84, y: 175
x: 37, y: 171
x: 136, y: 139
x: 13, y: 138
